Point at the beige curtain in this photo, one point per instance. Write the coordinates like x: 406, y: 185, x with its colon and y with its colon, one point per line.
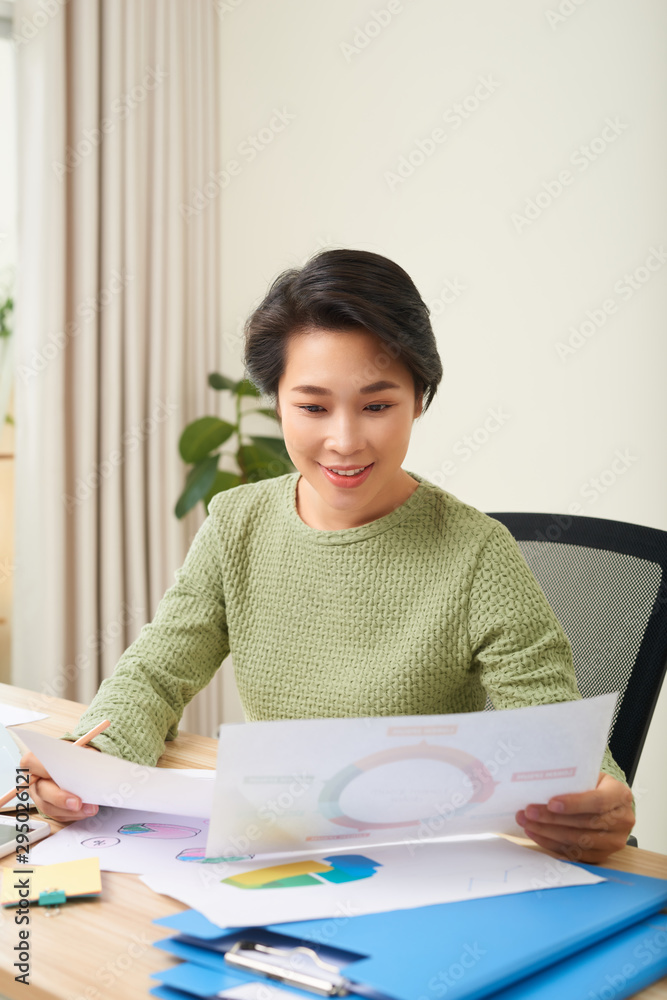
x: 117, y: 322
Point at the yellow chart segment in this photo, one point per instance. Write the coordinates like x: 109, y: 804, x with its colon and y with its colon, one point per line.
x: 264, y: 875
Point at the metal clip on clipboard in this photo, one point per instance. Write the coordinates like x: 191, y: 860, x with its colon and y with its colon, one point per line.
x: 247, y: 955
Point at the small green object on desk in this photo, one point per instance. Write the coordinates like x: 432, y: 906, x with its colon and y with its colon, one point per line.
x: 52, y: 896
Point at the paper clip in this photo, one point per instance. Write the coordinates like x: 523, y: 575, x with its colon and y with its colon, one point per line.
x: 50, y: 900
x: 50, y: 897
x: 333, y: 985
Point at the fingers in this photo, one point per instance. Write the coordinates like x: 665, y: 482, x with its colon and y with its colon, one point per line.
x: 584, y: 838
x: 58, y: 803
x: 610, y: 794
x: 33, y: 764
x: 574, y: 836
x: 618, y: 817
x: 50, y: 798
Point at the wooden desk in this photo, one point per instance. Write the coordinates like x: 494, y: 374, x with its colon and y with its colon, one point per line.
x: 102, y: 949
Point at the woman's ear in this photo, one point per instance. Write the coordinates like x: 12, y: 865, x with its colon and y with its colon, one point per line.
x: 419, y: 405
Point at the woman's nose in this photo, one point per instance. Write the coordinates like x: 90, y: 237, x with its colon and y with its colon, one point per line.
x: 346, y: 436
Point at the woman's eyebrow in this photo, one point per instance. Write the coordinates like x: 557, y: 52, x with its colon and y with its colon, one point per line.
x: 318, y: 390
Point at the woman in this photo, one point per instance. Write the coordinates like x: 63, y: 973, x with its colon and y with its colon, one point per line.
x: 351, y: 587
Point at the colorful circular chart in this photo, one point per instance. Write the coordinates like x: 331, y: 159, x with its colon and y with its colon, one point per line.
x: 329, y: 800
x: 158, y: 831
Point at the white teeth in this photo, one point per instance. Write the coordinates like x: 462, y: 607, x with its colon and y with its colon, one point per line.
x: 350, y: 472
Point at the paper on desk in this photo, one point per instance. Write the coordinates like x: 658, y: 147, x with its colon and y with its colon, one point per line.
x: 10, y: 758
x: 11, y: 715
x: 109, y: 781
x: 371, y: 880
x: 333, y: 783
x: 129, y: 840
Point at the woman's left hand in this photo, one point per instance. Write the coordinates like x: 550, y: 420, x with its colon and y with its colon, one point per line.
x: 587, y: 826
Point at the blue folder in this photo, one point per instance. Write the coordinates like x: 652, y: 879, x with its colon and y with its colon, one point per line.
x: 460, y: 950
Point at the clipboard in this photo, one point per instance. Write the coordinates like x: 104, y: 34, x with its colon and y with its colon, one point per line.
x: 625, y: 963
x: 402, y: 954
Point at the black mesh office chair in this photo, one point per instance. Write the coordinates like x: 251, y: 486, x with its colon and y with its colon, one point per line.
x: 607, y: 583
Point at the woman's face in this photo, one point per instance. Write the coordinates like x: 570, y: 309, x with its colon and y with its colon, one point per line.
x: 346, y: 404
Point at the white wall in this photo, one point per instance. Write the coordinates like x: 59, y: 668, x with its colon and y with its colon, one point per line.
x: 555, y: 81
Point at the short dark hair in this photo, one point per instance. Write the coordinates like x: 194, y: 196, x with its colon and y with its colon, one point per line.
x: 343, y: 289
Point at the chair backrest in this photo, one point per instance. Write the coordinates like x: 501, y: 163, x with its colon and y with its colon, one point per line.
x: 607, y: 584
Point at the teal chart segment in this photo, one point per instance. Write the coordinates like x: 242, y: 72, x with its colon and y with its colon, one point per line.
x: 480, y: 779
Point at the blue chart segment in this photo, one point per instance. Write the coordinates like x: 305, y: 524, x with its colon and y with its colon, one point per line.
x: 329, y: 800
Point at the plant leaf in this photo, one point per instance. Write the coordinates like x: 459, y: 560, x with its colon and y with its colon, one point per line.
x: 223, y: 481
x: 217, y: 381
x: 246, y: 388
x: 262, y: 463
x: 274, y: 445
x: 265, y: 411
x: 198, y: 483
x: 202, y: 436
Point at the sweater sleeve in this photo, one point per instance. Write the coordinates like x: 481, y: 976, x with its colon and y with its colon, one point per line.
x: 516, y: 641
x: 172, y: 658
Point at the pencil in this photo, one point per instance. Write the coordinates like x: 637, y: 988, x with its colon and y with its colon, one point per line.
x: 81, y: 742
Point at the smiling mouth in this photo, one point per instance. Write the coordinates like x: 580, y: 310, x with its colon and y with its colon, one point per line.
x: 346, y: 472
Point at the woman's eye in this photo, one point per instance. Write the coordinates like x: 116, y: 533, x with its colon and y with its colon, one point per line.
x: 311, y: 409
x: 378, y: 407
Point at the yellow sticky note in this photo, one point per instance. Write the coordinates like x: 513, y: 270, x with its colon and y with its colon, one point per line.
x: 74, y: 878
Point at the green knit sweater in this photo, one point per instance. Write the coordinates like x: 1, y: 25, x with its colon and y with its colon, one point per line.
x: 423, y: 611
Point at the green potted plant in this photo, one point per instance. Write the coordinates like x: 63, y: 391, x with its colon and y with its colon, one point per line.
x: 256, y: 457
x: 6, y: 359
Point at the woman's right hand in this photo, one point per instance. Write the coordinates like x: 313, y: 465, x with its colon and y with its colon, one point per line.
x: 50, y: 798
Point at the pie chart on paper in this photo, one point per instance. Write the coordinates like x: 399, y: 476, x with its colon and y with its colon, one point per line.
x: 384, y: 785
